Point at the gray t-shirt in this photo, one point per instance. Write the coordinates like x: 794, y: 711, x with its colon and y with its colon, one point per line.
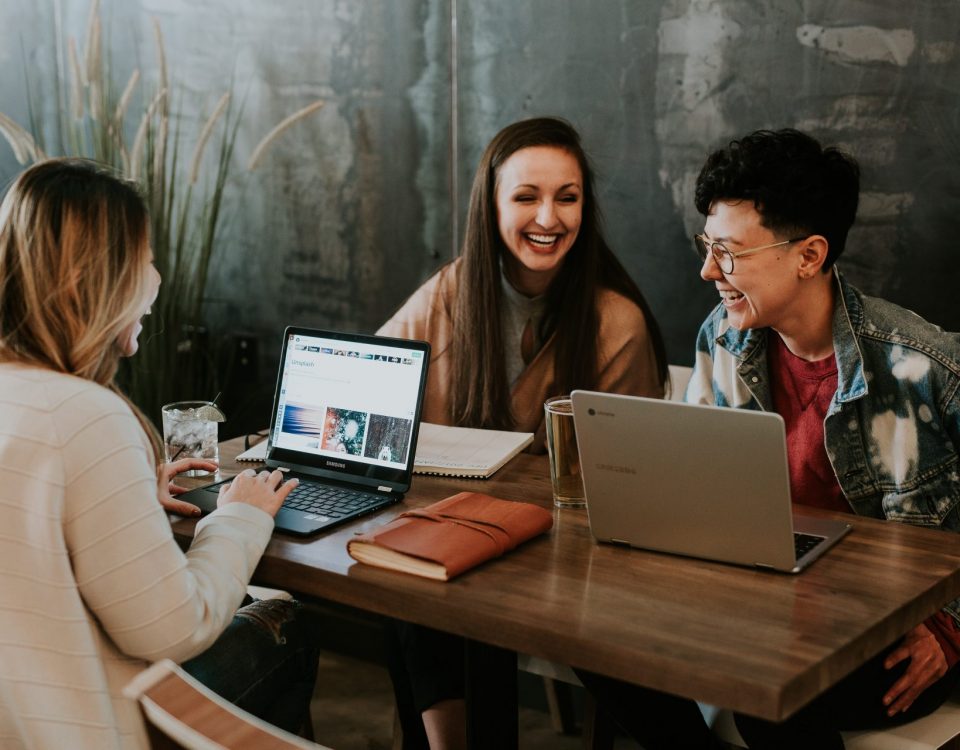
x: 518, y: 309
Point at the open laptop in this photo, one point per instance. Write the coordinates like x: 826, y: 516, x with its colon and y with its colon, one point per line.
x: 345, y: 419
x: 702, y: 481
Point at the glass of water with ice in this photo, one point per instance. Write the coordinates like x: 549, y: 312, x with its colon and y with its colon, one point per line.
x: 190, y: 431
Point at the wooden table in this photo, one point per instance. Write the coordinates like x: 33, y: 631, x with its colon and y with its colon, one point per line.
x: 757, y: 642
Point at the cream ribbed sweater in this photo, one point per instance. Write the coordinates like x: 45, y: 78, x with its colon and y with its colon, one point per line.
x: 92, y: 584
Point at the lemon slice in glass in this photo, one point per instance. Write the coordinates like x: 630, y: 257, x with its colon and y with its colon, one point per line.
x: 211, y: 413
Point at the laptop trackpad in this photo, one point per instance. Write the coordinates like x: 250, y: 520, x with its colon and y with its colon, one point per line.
x: 298, y: 522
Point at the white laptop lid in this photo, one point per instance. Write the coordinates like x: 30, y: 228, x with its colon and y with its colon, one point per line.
x: 694, y: 480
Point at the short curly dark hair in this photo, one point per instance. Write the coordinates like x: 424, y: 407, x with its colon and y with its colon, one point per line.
x: 798, y: 187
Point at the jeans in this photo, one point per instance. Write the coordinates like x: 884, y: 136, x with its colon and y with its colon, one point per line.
x: 265, y: 662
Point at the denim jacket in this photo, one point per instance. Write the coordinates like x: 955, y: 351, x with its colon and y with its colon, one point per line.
x: 892, y: 432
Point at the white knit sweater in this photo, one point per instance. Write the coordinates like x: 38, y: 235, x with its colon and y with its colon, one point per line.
x: 92, y: 584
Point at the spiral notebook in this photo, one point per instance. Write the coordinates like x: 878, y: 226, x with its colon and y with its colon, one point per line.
x: 465, y: 451
x: 449, y: 451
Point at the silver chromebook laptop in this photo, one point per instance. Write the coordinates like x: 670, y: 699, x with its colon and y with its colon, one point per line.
x: 702, y: 481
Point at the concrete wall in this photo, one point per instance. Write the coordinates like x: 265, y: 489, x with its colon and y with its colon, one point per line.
x: 353, y: 208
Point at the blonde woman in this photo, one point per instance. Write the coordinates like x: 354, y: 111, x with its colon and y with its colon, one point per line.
x: 92, y: 584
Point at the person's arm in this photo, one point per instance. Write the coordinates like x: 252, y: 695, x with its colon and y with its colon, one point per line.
x: 945, y: 629
x: 926, y: 665
x: 933, y: 646
x: 944, y: 624
x: 152, y: 600
x: 626, y: 361
x: 413, y: 319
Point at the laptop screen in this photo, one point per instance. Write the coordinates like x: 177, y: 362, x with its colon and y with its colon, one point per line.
x: 348, y: 404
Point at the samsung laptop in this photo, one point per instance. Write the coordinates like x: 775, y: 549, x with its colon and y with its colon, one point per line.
x: 345, y: 419
x: 702, y: 481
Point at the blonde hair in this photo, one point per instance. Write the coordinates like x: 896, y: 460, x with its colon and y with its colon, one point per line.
x: 74, y: 245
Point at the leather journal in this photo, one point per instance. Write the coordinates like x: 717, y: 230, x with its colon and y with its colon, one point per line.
x: 451, y: 536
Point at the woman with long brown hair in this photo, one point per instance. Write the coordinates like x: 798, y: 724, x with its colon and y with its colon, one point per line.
x: 93, y: 584
x: 536, y: 306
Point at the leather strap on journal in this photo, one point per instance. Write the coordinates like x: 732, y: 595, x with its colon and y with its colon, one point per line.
x: 484, y: 527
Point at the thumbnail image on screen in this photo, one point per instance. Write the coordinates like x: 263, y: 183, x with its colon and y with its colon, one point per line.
x: 388, y: 438
x: 343, y: 431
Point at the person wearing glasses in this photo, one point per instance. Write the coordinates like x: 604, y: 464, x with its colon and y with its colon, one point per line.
x: 869, y: 393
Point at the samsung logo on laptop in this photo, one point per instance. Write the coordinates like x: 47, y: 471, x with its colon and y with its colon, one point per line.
x: 336, y: 464
x: 617, y: 468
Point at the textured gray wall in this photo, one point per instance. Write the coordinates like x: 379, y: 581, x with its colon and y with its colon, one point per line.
x: 353, y: 208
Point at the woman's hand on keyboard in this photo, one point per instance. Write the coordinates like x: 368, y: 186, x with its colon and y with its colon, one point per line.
x: 265, y: 490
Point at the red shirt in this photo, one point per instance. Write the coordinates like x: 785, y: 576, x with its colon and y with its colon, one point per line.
x: 802, y: 392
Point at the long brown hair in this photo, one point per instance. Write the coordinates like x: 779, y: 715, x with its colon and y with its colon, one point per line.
x: 74, y: 242
x: 480, y: 394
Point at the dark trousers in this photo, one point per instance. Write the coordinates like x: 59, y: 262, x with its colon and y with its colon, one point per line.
x: 426, y: 666
x: 659, y: 721
x: 265, y: 662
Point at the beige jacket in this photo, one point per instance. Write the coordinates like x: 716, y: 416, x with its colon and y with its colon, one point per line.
x: 627, y: 363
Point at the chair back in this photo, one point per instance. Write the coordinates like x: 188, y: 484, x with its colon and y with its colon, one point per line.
x: 182, y: 713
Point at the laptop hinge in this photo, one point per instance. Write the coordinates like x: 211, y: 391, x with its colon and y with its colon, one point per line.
x: 384, y: 489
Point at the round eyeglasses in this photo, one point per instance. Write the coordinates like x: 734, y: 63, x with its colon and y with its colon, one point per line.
x: 723, y: 256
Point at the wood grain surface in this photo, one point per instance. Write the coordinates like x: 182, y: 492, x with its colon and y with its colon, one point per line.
x: 758, y: 642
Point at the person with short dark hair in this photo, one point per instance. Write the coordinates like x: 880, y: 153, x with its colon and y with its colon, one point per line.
x: 869, y: 395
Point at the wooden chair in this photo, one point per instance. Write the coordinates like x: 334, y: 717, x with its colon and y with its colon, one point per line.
x: 183, y: 714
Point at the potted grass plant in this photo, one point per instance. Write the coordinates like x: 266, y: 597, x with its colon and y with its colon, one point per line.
x: 185, y: 194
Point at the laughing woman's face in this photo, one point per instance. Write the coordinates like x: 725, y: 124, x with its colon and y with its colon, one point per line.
x: 539, y: 209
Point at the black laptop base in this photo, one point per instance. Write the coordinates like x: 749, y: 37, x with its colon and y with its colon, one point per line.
x: 312, y: 507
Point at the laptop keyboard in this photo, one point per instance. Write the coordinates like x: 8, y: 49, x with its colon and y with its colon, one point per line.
x: 803, y: 543
x: 332, y: 502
